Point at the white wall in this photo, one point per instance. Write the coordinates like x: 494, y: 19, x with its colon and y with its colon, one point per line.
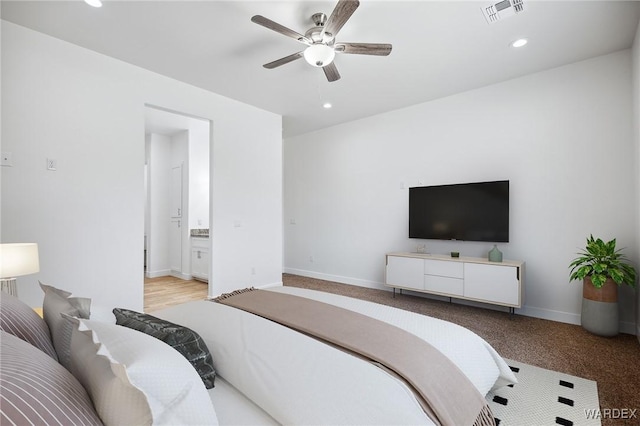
x: 636, y: 128
x: 180, y: 158
x: 87, y: 111
x: 158, y: 160
x: 198, y: 174
x: 562, y: 137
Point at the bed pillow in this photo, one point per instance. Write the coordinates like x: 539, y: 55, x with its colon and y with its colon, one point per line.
x: 37, y: 390
x: 17, y: 318
x: 57, y: 302
x: 184, y: 340
x: 102, y: 313
x: 134, y: 378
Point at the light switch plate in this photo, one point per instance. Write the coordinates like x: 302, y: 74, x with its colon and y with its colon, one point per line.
x: 52, y: 164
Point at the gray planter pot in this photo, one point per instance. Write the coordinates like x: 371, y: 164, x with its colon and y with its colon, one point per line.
x: 600, y: 308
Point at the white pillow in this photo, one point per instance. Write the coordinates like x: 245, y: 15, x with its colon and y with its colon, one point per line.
x: 102, y: 314
x: 57, y: 302
x: 134, y: 378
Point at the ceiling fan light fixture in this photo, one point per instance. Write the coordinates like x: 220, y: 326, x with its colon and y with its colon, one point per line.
x: 94, y: 3
x: 320, y: 40
x: 319, y: 55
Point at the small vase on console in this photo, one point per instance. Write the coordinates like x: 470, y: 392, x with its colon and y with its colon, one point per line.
x: 495, y: 255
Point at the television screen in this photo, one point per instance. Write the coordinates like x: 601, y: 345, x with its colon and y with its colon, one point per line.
x: 469, y: 212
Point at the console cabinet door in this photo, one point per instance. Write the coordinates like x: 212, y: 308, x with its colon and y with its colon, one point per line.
x: 406, y: 272
x: 200, y: 258
x: 494, y: 283
x: 200, y: 263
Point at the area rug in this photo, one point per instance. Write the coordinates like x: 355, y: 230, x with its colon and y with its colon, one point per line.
x: 544, y: 397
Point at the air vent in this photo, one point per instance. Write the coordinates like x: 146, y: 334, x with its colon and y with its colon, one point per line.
x: 503, y: 9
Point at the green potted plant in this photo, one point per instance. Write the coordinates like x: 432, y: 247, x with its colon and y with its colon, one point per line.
x: 602, y: 268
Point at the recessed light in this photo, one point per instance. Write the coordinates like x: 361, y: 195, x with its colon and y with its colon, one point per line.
x: 327, y: 105
x: 94, y: 3
x: 520, y: 42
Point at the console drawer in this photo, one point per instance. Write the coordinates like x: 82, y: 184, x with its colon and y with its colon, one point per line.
x: 444, y: 285
x: 444, y: 268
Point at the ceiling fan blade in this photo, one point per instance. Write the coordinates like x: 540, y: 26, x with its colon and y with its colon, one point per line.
x: 331, y: 72
x: 282, y: 61
x: 268, y: 23
x: 340, y: 15
x: 378, y: 49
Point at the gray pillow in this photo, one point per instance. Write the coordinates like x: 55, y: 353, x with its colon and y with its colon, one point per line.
x: 184, y: 340
x: 135, y: 379
x: 17, y: 318
x: 57, y: 302
x: 37, y: 390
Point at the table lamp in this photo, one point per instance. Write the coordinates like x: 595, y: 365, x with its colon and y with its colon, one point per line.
x: 16, y: 260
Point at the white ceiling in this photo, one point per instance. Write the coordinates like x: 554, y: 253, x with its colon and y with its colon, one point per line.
x: 439, y: 47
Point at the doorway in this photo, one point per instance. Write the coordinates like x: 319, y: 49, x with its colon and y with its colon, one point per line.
x: 177, y: 175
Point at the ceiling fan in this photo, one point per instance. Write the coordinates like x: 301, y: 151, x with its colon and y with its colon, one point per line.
x: 321, y: 40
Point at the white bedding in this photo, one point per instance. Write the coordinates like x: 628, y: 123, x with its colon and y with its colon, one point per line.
x: 299, y: 380
x: 451, y: 339
x: 233, y: 408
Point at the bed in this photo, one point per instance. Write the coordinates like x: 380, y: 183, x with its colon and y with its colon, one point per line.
x: 267, y: 373
x: 270, y: 364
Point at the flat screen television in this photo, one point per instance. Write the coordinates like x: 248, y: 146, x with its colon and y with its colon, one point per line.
x: 469, y: 212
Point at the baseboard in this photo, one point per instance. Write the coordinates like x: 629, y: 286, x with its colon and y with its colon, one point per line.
x: 277, y: 284
x: 168, y: 273
x: 529, y: 311
x: 156, y: 274
x: 336, y: 278
x: 569, y: 318
x: 181, y: 275
x: 627, y: 328
x: 548, y: 314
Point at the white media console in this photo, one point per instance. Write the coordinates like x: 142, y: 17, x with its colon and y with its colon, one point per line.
x: 469, y: 278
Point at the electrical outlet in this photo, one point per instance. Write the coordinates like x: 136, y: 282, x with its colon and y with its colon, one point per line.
x: 311, y: 259
x: 253, y: 271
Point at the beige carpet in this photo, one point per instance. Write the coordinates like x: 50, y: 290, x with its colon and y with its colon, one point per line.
x: 614, y: 363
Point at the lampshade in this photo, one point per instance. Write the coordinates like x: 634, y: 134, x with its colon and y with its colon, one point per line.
x: 94, y: 3
x: 18, y: 259
x: 319, y: 55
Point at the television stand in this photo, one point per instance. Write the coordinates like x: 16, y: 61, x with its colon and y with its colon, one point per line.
x: 465, y: 278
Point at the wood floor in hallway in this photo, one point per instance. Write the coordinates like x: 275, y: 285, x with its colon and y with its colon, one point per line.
x: 161, y: 292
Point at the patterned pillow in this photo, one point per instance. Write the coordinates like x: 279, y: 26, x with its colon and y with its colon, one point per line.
x: 134, y: 379
x: 57, y: 302
x: 184, y: 340
x: 17, y: 318
x: 37, y: 390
